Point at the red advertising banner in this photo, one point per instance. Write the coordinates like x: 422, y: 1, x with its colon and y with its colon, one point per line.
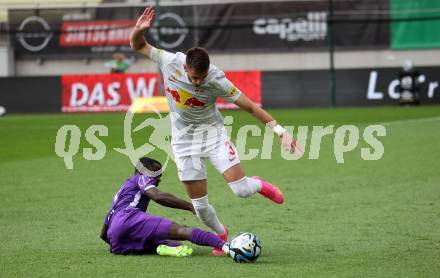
x: 116, y: 92
x: 249, y: 82
x: 96, y: 33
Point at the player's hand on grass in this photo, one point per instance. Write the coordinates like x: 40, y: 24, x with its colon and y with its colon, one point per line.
x: 145, y: 21
x: 290, y: 144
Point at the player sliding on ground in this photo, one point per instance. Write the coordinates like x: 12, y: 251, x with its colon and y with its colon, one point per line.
x: 129, y: 230
x: 192, y: 85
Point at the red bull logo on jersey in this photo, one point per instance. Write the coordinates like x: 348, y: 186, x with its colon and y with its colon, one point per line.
x: 183, y: 99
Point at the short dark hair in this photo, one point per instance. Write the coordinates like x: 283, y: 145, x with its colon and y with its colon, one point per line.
x: 197, y: 58
x: 149, y: 163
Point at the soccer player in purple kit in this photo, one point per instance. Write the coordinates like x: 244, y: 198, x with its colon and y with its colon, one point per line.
x: 128, y: 229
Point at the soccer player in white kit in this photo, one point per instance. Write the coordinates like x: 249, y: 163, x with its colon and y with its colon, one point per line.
x: 192, y: 86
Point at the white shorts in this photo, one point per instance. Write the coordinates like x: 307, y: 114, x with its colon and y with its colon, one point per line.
x: 190, y: 157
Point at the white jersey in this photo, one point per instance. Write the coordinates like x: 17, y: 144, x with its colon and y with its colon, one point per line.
x: 194, y: 106
x: 198, y: 132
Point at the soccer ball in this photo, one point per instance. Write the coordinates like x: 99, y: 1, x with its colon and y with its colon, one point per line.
x: 245, y: 248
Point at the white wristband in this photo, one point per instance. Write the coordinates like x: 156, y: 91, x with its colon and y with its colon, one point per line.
x: 279, y: 130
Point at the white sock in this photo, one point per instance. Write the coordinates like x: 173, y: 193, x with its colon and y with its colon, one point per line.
x: 245, y: 187
x: 255, y: 184
x: 225, y: 248
x: 206, y: 213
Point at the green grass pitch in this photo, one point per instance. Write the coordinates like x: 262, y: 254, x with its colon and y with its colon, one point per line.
x: 357, y: 219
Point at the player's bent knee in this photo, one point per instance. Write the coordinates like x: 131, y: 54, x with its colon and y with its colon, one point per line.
x: 241, y: 188
x: 184, y: 232
x: 179, y: 232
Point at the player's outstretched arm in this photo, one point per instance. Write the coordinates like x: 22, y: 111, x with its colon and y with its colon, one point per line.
x: 287, y: 140
x: 168, y: 200
x: 137, y: 40
x: 248, y: 105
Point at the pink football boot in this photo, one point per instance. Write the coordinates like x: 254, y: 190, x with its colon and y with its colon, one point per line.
x: 224, y: 237
x: 270, y: 191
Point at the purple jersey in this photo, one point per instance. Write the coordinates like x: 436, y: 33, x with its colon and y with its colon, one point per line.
x: 131, y: 194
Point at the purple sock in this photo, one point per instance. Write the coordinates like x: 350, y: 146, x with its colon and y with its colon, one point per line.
x: 203, y: 238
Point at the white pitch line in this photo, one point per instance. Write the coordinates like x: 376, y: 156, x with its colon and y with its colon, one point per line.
x: 401, y: 122
x: 116, y: 126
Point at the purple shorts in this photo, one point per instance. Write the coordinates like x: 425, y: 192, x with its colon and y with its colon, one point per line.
x: 132, y: 231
